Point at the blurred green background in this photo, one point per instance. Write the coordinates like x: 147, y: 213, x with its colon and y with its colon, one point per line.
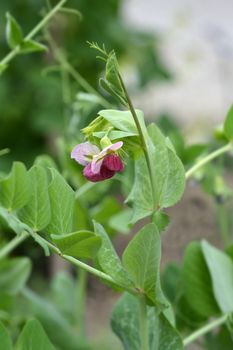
x: 33, y: 109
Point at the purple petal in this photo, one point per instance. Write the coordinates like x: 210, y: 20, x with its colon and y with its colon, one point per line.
x: 113, y: 162
x: 96, y: 164
x: 104, y: 174
x: 82, y: 152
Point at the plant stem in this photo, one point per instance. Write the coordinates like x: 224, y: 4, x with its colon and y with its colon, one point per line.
x: 88, y: 268
x: 4, y: 151
x: 13, y: 244
x: 141, y: 135
x: 33, y: 32
x: 77, y: 262
x: 144, y: 333
x: 208, y: 158
x: 60, y: 57
x: 205, y: 329
x: 83, y: 189
x: 223, y: 223
x: 81, y: 301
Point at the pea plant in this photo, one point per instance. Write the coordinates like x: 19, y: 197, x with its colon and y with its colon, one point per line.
x: 66, y: 208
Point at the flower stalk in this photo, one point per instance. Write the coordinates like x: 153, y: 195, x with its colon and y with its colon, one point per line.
x: 33, y: 32
x: 208, y: 158
x: 205, y: 329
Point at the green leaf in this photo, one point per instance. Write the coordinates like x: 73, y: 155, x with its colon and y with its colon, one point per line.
x: 112, y: 83
x: 36, y: 213
x: 197, y: 282
x: 45, y: 161
x: 168, y: 175
x: 109, y: 260
x: 120, y: 221
x: 14, y: 189
x: 141, y: 259
x: 221, y: 271
x: 33, y: 337
x: 121, y: 120
x: 5, y: 340
x: 81, y: 244
x: 29, y: 46
x: 14, y: 35
x: 14, y: 274
x: 62, y: 200
x: 161, y: 220
x: 228, y: 124
x: 12, y: 221
x: 170, y: 280
x: 126, y: 324
x: 57, y: 326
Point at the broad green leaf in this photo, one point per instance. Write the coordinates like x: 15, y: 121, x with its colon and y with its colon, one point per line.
x: 126, y: 324
x: 14, y: 35
x: 5, y: 340
x: 197, y: 282
x: 114, y: 134
x: 14, y: 189
x: 33, y: 337
x: 12, y: 221
x: 168, y: 171
x: 141, y: 259
x: 121, y: 120
x: 80, y: 244
x: 14, y: 274
x: 186, y: 316
x: 168, y: 177
x: 109, y: 260
x: 228, y: 124
x: 120, y: 221
x: 62, y: 200
x: 29, y: 46
x: 170, y: 280
x: 36, y: 213
x: 221, y: 271
x: 45, y: 161
x: 56, y: 325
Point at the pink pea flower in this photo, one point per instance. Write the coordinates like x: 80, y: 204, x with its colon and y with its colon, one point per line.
x: 98, y: 165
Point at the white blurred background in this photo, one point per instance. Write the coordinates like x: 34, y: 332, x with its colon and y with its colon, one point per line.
x: 196, y: 42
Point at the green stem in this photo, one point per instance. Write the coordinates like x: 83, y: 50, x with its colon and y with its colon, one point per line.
x: 33, y: 32
x: 4, y: 151
x: 223, y: 224
x: 141, y: 135
x: 88, y: 268
x: 208, y: 158
x: 13, y: 244
x: 205, y: 329
x: 77, y: 262
x: 85, y: 188
x: 144, y: 332
x: 60, y: 57
x: 81, y: 301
